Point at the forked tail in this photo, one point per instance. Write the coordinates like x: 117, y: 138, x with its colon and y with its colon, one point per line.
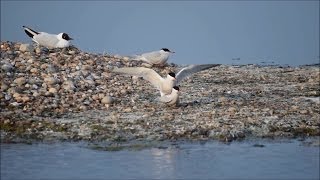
x: 29, y: 31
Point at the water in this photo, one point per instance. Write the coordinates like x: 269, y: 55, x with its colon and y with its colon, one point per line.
x: 285, y: 159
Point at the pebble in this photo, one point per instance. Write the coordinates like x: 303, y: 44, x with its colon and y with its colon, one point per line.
x: 34, y: 70
x: 107, y: 100
x: 225, y: 103
x: 25, y: 47
x: 53, y: 90
x: 20, y: 81
x: 7, y: 67
x: 50, y: 81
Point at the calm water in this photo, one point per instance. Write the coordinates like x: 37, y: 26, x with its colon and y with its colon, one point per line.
x: 285, y: 159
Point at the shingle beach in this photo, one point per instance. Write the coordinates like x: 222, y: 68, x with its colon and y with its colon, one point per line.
x: 68, y: 94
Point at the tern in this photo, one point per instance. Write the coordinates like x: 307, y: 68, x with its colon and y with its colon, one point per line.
x: 60, y: 40
x: 164, y: 85
x: 171, y: 99
x: 154, y: 58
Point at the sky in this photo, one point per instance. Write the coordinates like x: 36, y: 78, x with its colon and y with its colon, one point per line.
x: 226, y: 32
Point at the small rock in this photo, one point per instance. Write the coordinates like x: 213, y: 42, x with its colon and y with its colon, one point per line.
x: 53, y: 90
x: 68, y: 86
x: 95, y: 97
x: 294, y: 108
x: 38, y: 50
x: 30, y: 61
x: 4, y: 87
x: 129, y: 109
x: 303, y: 111
x: 71, y: 52
x: 50, y: 80
x: 16, y: 95
x: 107, y: 100
x: 34, y: 70
x: 25, y: 99
x: 232, y: 110
x: 25, y: 47
x: 7, y: 97
x: 7, y: 67
x: 20, y: 81
x: 123, y: 91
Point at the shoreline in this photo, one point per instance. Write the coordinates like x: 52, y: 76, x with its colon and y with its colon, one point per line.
x: 70, y: 95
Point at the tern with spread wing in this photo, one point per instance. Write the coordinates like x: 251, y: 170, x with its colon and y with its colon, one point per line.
x: 164, y: 85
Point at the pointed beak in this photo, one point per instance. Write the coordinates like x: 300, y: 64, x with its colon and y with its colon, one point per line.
x: 70, y: 38
x: 173, y: 52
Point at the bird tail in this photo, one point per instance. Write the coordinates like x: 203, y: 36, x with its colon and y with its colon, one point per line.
x: 29, y: 31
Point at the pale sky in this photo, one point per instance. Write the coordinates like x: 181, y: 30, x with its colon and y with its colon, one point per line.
x: 286, y: 32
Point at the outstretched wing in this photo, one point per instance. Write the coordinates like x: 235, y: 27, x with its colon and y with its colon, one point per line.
x: 148, y: 74
x: 189, y: 70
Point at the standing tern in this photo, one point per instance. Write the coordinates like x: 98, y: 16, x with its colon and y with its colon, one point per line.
x: 60, y: 40
x: 154, y: 58
x: 164, y: 85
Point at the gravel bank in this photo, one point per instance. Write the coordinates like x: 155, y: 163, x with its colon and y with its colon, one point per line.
x: 67, y: 94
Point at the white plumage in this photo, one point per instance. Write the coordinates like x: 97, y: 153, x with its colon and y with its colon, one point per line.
x: 60, y: 40
x: 158, y: 58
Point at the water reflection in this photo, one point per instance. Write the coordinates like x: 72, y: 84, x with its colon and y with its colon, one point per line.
x: 270, y: 160
x: 163, y: 162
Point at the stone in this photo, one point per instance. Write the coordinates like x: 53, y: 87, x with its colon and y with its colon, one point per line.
x: 53, y: 90
x: 232, y: 110
x: 4, y: 87
x: 20, y: 81
x: 25, y: 99
x: 7, y: 67
x: 25, y: 48
x: 68, y: 86
x: 50, y: 81
x: 34, y: 70
x: 107, y: 100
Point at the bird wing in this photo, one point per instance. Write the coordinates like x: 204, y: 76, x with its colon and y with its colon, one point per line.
x: 47, y: 40
x: 148, y: 74
x: 189, y: 70
x: 151, y: 55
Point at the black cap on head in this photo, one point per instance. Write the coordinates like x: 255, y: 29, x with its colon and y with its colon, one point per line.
x: 166, y: 49
x: 66, y: 36
x: 172, y: 74
x: 176, y: 88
